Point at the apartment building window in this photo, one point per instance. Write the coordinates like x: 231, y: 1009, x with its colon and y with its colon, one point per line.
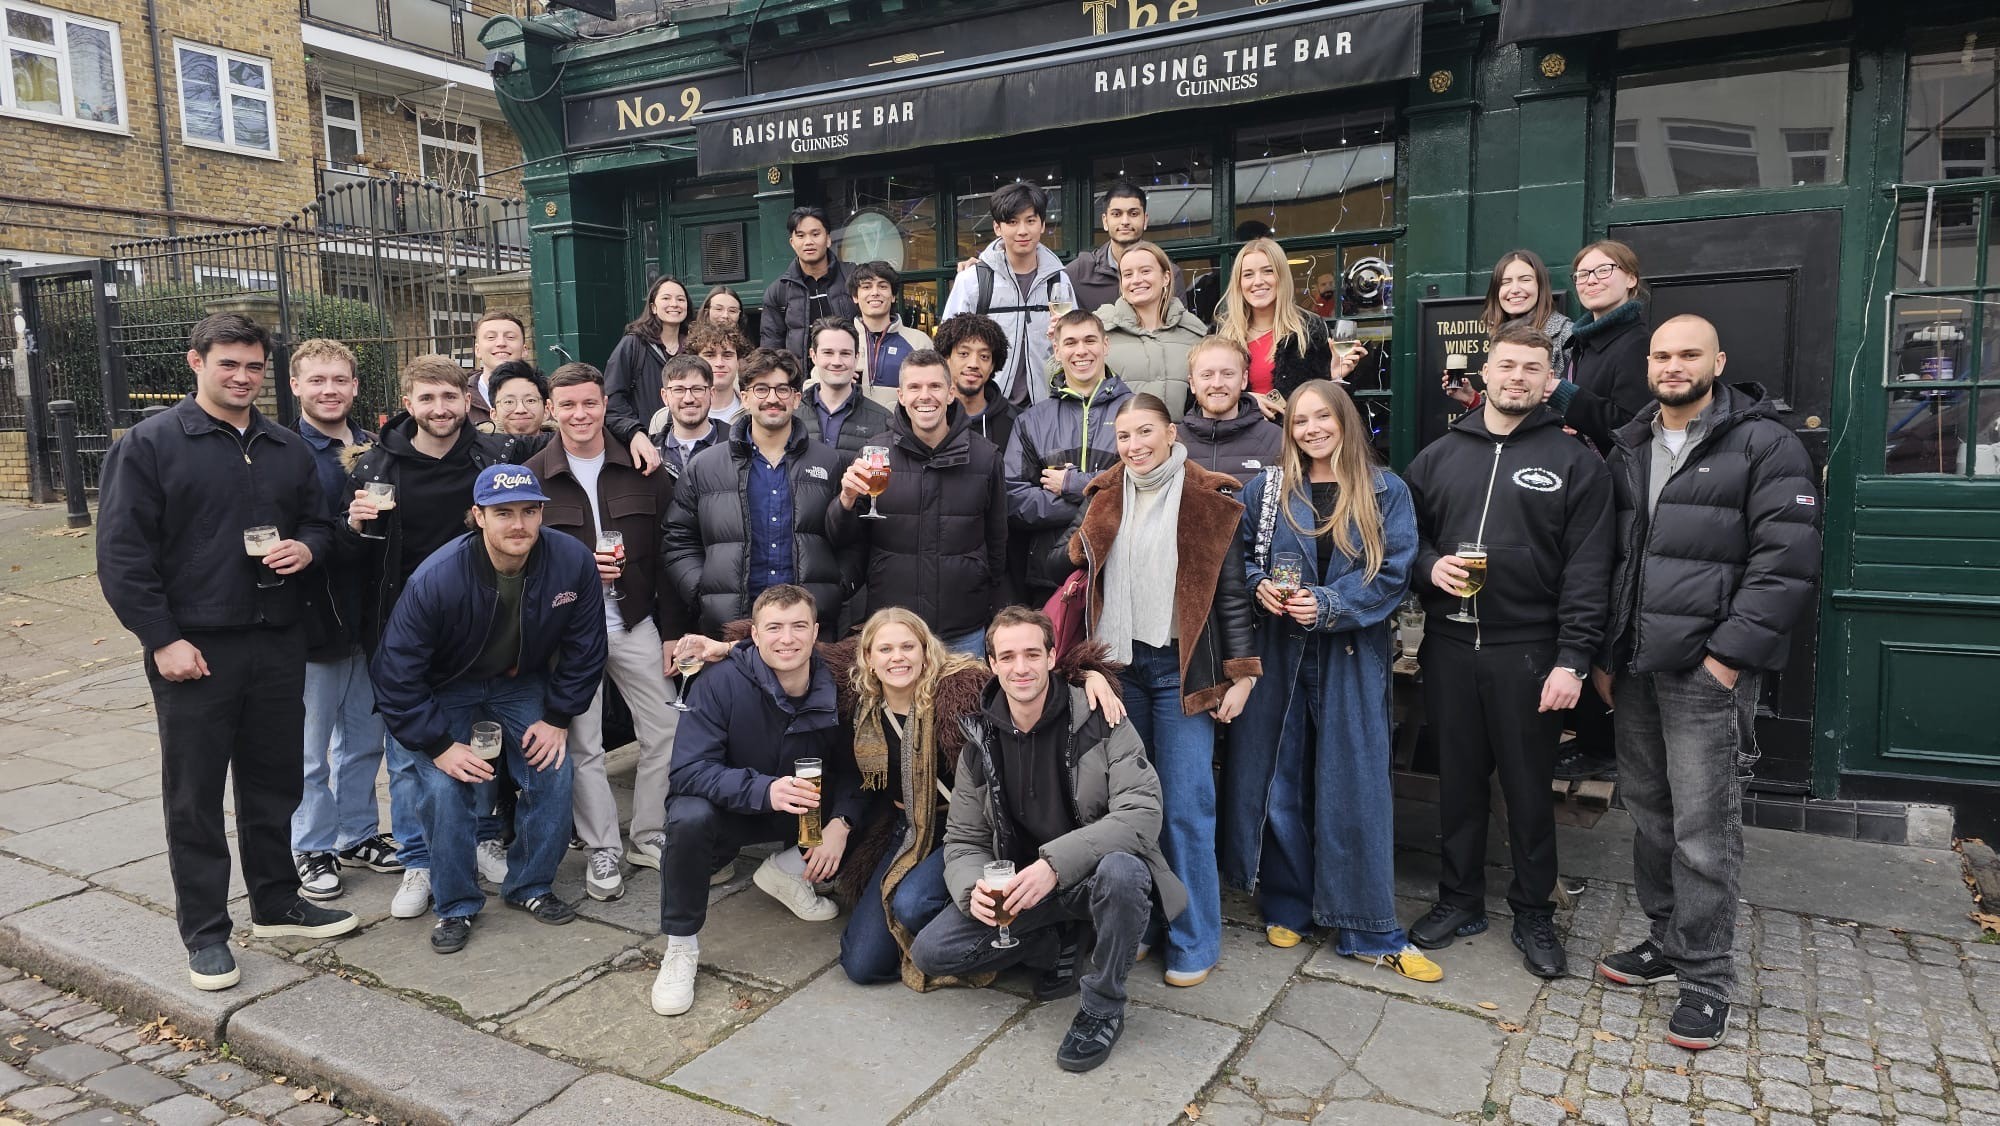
x: 226, y: 100
x: 60, y: 67
x: 450, y: 152
x: 340, y: 111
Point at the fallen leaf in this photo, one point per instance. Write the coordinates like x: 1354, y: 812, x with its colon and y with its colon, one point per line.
x: 1568, y: 1107
x: 15, y: 569
x: 1601, y: 1035
x: 278, y: 1079
x: 1929, y: 860
x: 304, y: 1094
x: 1988, y: 923
x: 740, y: 1004
x: 1489, y: 1006
x: 74, y: 533
x: 223, y: 1076
x: 1680, y: 1069
x: 1510, y: 1026
x: 17, y: 623
x: 1192, y: 1111
x: 97, y: 641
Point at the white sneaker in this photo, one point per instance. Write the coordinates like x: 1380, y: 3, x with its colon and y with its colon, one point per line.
x: 644, y: 853
x: 723, y: 874
x: 413, y: 896
x: 492, y: 858
x: 793, y: 891
x: 603, y: 880
x: 673, y: 989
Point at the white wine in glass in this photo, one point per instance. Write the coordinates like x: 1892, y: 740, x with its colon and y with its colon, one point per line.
x: 1473, y: 557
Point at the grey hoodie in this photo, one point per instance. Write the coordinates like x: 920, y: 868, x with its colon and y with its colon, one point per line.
x: 1024, y: 317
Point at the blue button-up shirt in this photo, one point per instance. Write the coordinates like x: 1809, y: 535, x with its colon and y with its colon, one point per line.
x: 770, y: 524
x: 327, y: 459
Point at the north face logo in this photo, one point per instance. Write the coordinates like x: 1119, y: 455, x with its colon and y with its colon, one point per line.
x: 1540, y: 480
x: 816, y: 472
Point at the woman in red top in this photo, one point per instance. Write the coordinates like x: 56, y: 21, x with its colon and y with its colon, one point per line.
x: 1288, y: 344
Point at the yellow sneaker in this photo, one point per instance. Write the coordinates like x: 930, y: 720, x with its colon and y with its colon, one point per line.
x: 1411, y: 963
x: 1284, y: 938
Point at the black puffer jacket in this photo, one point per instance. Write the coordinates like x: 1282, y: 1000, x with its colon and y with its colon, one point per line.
x: 1242, y: 447
x: 866, y: 424
x: 632, y: 384
x: 1607, y: 384
x: 1727, y: 562
x: 1063, y: 429
x: 707, y: 541
x: 942, y: 551
x: 789, y: 310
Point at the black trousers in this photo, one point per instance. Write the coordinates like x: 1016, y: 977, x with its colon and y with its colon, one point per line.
x: 1483, y: 708
x: 247, y: 716
x: 700, y: 838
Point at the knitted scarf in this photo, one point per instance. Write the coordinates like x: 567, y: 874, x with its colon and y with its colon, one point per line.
x: 1139, y: 576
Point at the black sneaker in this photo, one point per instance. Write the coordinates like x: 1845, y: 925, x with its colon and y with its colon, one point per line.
x: 377, y: 853
x: 1698, y: 1023
x: 213, y: 967
x: 305, y: 920
x: 1059, y: 981
x: 1443, y: 922
x: 319, y: 877
x: 1541, y: 951
x: 1641, y: 965
x: 449, y: 935
x: 547, y: 909
x: 1088, y: 1042
x: 1582, y: 766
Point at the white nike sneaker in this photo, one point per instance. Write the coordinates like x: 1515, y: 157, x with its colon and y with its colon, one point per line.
x: 673, y: 989
x: 413, y: 895
x: 492, y: 859
x: 795, y: 892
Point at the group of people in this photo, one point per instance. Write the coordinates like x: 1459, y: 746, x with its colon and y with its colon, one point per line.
x: 1020, y: 643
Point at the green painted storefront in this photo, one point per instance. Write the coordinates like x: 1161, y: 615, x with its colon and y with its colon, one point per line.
x: 1823, y: 179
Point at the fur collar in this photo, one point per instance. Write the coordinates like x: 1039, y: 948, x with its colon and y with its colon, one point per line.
x: 1588, y: 326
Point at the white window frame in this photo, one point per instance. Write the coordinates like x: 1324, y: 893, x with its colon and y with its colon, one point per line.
x: 225, y: 89
x: 460, y: 321
x: 60, y: 51
x: 249, y: 281
x: 328, y: 123
x: 476, y: 148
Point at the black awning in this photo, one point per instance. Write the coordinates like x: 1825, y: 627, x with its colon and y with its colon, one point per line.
x: 1524, y: 20
x: 1120, y: 77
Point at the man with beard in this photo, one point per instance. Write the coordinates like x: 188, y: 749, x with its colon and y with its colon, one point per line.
x: 1093, y: 274
x: 1507, y: 475
x: 974, y: 346
x: 1226, y: 433
x: 1717, y: 554
x: 683, y: 427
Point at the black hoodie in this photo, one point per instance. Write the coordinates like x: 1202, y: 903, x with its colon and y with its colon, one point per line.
x: 996, y: 421
x: 1242, y: 447
x: 1541, y: 503
x: 1033, y: 771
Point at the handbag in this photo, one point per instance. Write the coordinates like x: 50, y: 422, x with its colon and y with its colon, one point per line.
x: 1065, y: 611
x: 1267, y: 518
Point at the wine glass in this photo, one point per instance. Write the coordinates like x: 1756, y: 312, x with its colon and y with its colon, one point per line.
x: 1473, y: 556
x: 875, y: 467
x: 1346, y: 337
x: 1287, y: 574
x: 257, y: 543
x: 687, y: 666
x: 612, y: 542
x: 996, y: 876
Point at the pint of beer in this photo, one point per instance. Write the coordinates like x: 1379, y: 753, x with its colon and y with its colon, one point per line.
x: 808, y: 770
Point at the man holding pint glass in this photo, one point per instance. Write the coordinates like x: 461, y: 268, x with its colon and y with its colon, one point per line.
x: 1513, y: 563
x: 506, y: 625
x: 760, y: 755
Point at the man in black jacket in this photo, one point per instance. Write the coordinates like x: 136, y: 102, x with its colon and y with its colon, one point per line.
x: 1717, y: 558
x: 1509, y: 478
x: 765, y: 704
x: 225, y: 651
x: 941, y: 545
x: 834, y: 410
x: 751, y: 513
x: 974, y: 346
x: 682, y: 426
x: 1226, y: 432
x: 812, y: 287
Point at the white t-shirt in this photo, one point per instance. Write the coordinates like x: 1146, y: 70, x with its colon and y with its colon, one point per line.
x: 587, y: 470
x: 1675, y: 441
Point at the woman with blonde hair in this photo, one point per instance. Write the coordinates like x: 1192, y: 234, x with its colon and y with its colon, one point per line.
x: 1149, y: 330
x: 1288, y: 343
x: 1307, y: 818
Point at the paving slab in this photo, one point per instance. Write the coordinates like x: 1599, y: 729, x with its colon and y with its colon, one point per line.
x: 18, y: 771
x: 394, y: 1058
x: 510, y: 960
x: 1430, y: 1057
x: 613, y: 1100
x: 610, y: 1022
x: 1242, y: 986
x: 909, y: 1041
x: 1162, y: 1061
x: 124, y: 956
x: 152, y: 880
x: 750, y: 933
x: 133, y: 1085
x: 1484, y: 968
x: 23, y: 885
x: 105, y: 744
x: 101, y: 840
x: 50, y: 803
x: 1349, y: 1113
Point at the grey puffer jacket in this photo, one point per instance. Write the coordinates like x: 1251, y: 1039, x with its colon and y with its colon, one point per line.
x: 1153, y: 360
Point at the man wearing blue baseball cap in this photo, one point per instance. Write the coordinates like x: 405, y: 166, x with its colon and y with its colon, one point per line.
x: 502, y: 624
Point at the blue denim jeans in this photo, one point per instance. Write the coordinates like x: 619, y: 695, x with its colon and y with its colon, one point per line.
x: 1183, y: 751
x: 451, y: 808
x: 868, y: 952
x: 972, y: 643
x: 343, y: 755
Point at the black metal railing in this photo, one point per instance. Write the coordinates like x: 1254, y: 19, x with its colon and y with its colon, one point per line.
x: 448, y: 28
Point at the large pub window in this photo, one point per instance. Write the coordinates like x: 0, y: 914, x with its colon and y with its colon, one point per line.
x: 1731, y: 126
x: 892, y: 216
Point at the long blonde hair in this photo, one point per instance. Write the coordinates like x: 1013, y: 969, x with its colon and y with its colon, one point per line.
x: 939, y: 663
x: 1354, y: 510
x: 1166, y: 274
x: 1288, y: 320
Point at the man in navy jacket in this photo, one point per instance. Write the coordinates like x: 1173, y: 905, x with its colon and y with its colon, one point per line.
x: 504, y: 624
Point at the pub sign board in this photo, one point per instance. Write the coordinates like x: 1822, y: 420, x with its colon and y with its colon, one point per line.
x: 1448, y: 326
x: 1126, y: 76
x: 655, y: 110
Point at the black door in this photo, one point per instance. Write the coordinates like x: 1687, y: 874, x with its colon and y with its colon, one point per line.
x: 1770, y: 284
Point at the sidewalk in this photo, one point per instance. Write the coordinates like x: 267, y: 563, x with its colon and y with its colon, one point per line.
x: 1866, y: 994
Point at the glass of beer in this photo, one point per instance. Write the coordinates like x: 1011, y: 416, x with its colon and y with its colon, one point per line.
x: 686, y: 666
x: 808, y: 770
x: 1287, y: 574
x: 257, y: 543
x: 1473, y: 556
x: 996, y: 876
x: 383, y: 493
x: 612, y: 543
x: 874, y: 465
x: 486, y: 739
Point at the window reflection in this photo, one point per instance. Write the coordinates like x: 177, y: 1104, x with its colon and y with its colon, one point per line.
x: 1319, y: 177
x: 887, y: 216
x: 1179, y: 184
x: 972, y: 204
x: 1951, y: 121
x: 1771, y: 123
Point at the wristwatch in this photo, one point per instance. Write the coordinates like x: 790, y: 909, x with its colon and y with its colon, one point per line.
x: 1577, y: 673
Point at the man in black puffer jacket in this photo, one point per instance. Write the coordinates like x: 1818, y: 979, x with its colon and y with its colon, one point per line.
x: 1226, y: 433
x: 941, y: 547
x: 750, y: 513
x: 1718, y: 552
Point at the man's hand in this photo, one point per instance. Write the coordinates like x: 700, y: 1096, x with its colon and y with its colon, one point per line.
x: 1030, y: 886
x: 543, y: 745
x: 823, y: 859
x: 980, y: 905
x: 361, y: 510
x: 1054, y: 478
x: 610, y: 566
x: 180, y: 661
x: 463, y: 763
x: 789, y: 795
x: 1723, y: 674
x: 1234, y: 699
x: 1448, y: 574
x: 1560, y: 691
x: 1601, y: 681
x: 1460, y: 390
x: 1549, y: 388
x: 853, y: 485
x: 289, y: 557
x: 644, y: 454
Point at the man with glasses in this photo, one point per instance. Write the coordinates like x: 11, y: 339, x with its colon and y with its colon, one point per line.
x: 682, y: 427
x: 751, y: 513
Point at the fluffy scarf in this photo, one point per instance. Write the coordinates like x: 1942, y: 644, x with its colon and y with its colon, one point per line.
x: 1145, y: 557
x: 1588, y: 326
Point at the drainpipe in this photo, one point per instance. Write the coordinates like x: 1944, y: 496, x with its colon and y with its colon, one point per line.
x: 160, y: 109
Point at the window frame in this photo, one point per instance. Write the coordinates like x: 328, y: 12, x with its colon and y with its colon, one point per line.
x: 328, y: 123
x: 65, y: 81
x: 1980, y: 292
x: 225, y: 89
x: 477, y: 147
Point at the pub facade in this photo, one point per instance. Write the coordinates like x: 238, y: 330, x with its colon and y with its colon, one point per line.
x: 1820, y: 179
